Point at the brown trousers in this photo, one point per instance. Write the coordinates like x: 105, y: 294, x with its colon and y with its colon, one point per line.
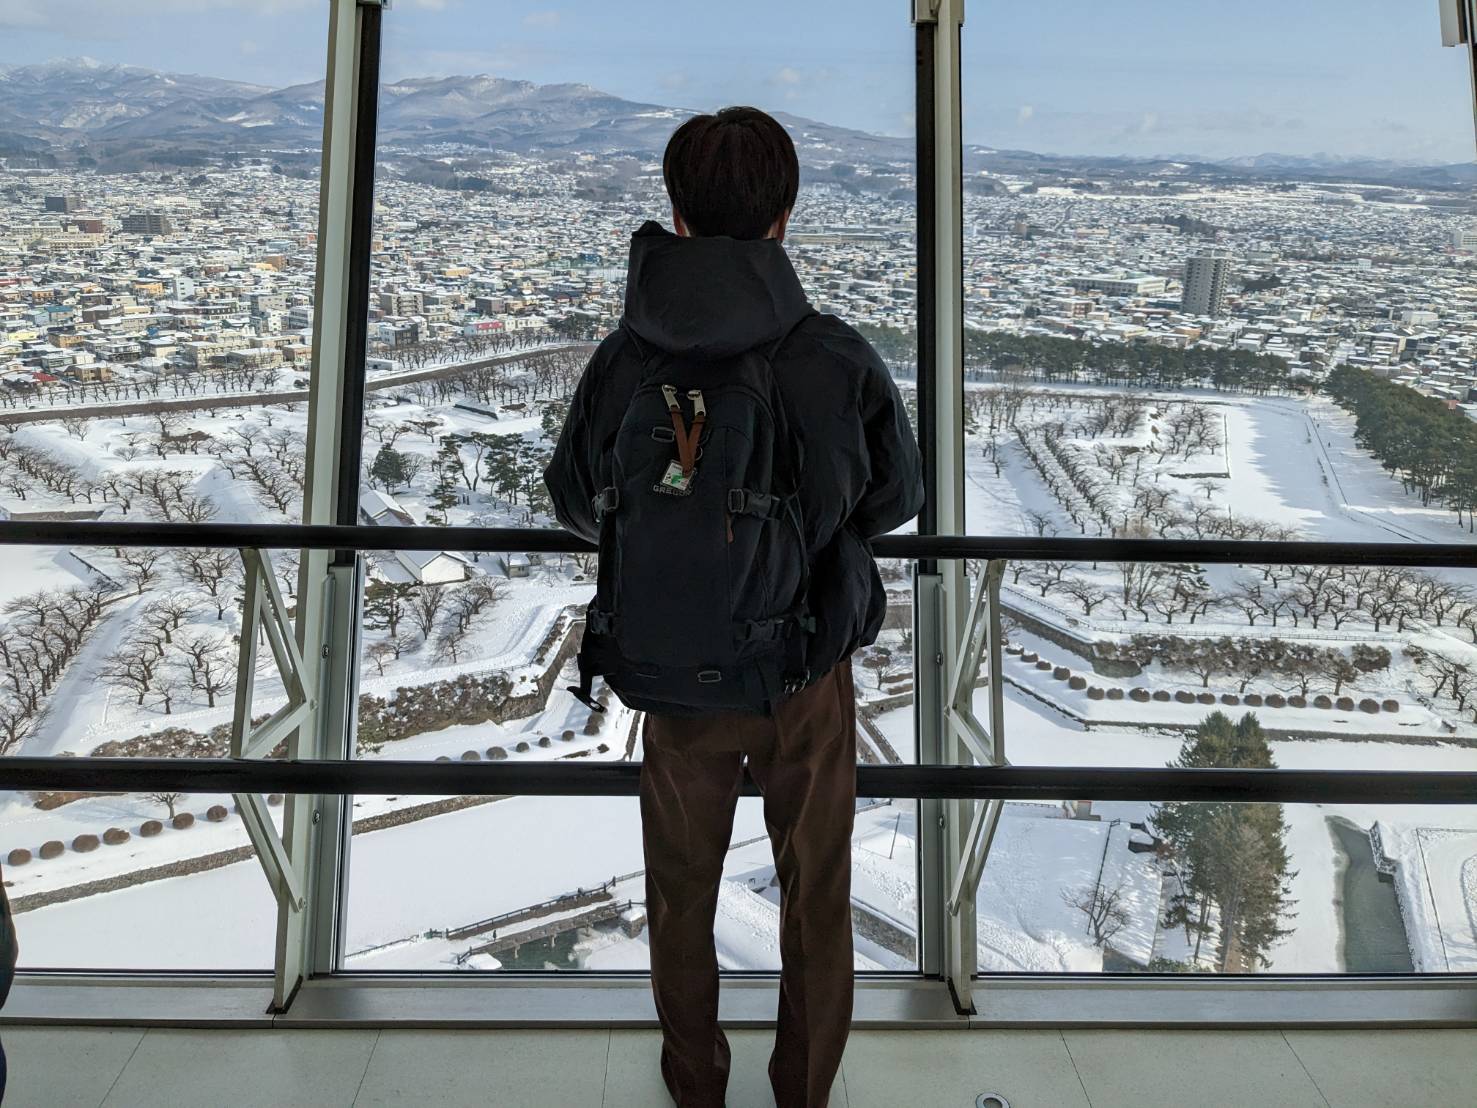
x: 804, y: 762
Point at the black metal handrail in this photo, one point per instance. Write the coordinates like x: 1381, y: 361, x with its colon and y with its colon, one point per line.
x: 622, y: 779
x: 274, y: 536
x: 405, y: 778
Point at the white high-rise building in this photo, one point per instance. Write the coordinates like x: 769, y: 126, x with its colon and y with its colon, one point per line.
x: 1464, y: 238
x: 1205, y: 284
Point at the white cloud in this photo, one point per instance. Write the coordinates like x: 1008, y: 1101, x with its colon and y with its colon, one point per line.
x: 788, y: 76
x: 1024, y: 115
x: 543, y: 20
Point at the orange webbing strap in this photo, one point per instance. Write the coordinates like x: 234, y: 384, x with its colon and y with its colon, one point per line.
x: 687, y: 440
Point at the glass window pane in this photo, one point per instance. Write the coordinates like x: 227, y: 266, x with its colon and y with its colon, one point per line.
x: 508, y: 183
x: 158, y: 227
x: 134, y: 652
x: 112, y: 882
x: 1207, y: 275
x: 1331, y: 686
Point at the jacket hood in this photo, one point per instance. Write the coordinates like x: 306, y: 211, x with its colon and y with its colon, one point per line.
x: 710, y: 297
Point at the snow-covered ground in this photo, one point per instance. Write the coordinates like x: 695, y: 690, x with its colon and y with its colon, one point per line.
x: 1292, y: 464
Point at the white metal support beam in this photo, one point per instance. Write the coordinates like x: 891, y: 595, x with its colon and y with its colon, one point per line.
x: 313, y: 733
x: 949, y: 586
x: 265, y: 616
x: 982, y: 644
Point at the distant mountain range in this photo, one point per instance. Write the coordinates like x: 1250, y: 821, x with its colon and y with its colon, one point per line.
x: 79, y: 102
x: 119, y: 115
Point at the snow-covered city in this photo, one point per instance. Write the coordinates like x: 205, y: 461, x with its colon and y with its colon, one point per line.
x: 1155, y: 350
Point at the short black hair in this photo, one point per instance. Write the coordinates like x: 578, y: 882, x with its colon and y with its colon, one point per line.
x: 732, y: 173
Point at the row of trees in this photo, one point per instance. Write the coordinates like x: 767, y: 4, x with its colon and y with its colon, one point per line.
x: 1384, y: 598
x: 1301, y: 665
x: 1429, y: 447
x: 273, y: 459
x: 539, y: 373
x: 1450, y: 679
x: 1087, y: 483
x: 1138, y: 365
x: 1134, y: 365
x: 161, y: 659
x: 43, y: 634
x: 463, y: 347
x: 177, y: 382
x: 443, y: 615
x: 275, y: 463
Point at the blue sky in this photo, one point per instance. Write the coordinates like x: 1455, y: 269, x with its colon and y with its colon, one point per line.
x: 1354, y: 77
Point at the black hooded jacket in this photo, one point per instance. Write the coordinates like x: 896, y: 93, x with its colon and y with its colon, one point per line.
x: 710, y: 298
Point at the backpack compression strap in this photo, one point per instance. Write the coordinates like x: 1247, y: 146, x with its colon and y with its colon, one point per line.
x: 596, y: 623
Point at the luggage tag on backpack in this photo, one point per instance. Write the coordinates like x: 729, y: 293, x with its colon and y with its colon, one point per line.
x: 674, y: 482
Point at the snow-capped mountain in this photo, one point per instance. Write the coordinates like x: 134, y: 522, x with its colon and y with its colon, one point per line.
x: 79, y: 101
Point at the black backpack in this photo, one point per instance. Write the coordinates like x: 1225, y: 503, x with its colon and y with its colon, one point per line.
x: 700, y: 596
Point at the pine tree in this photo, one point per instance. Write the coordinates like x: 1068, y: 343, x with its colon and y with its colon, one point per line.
x: 444, y: 495
x: 501, y: 464
x: 552, y: 421
x: 386, y: 604
x: 1231, y: 857
x: 389, y: 468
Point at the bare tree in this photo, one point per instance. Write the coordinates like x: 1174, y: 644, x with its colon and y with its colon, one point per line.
x: 1087, y: 593
x: 217, y: 572
x: 1104, y: 910
x: 140, y: 565
x: 1142, y: 585
x: 1040, y: 524
x: 169, y: 800
x: 168, y: 688
x: 425, y: 605
x: 166, y: 613
x: 472, y: 599
x: 209, y: 663
x: 379, y: 653
x: 883, y: 664
x: 193, y: 508
x: 450, y: 644
x: 130, y: 669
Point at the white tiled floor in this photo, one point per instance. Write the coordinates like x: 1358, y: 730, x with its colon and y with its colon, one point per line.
x: 105, y: 1068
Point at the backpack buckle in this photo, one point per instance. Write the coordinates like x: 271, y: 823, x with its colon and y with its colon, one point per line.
x: 795, y: 682
x: 606, y: 500
x: 747, y: 502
